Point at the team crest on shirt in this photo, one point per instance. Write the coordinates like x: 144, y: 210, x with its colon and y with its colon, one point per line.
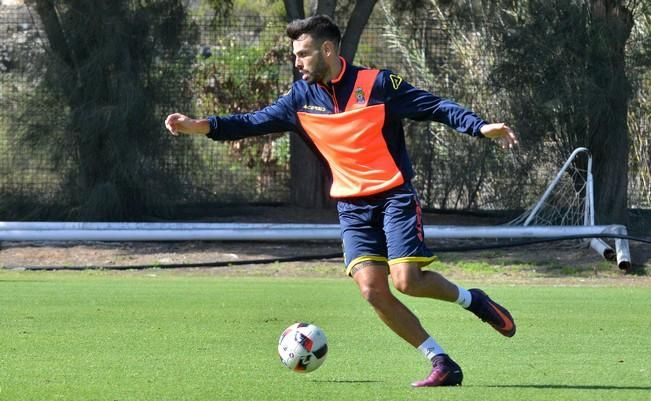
x: 359, y: 96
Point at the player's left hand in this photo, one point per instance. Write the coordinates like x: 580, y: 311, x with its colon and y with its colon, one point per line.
x: 502, y: 132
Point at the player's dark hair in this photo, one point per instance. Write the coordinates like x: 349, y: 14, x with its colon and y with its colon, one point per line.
x: 319, y: 27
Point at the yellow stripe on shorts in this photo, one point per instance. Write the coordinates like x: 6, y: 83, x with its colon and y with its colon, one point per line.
x: 412, y: 259
x: 364, y: 259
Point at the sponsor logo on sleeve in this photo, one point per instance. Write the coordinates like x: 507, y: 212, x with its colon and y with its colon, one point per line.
x: 396, y: 80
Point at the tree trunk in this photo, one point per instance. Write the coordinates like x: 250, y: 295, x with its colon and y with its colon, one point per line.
x: 295, y: 9
x: 607, y: 121
x: 52, y: 26
x: 355, y: 28
x: 309, y: 183
x: 326, y: 7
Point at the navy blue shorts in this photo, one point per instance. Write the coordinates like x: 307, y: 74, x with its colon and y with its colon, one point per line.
x: 385, y: 228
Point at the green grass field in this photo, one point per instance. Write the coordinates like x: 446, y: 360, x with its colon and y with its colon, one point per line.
x: 162, y: 336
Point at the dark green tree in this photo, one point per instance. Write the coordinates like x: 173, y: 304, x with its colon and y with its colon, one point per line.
x: 564, y: 67
x: 221, y: 8
x: 107, y: 66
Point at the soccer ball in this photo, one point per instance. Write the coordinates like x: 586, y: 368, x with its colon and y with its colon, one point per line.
x: 302, y: 347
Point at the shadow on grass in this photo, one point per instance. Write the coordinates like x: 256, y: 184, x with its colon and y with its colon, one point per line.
x: 568, y: 386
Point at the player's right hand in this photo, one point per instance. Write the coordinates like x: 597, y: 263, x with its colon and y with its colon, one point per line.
x: 176, y: 123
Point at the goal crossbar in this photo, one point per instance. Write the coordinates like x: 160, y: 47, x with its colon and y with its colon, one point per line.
x: 80, y: 231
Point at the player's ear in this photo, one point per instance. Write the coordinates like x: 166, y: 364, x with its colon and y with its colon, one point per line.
x: 328, y: 48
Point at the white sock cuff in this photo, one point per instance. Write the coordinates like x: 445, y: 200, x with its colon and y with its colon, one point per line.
x: 430, y: 348
x: 464, y: 298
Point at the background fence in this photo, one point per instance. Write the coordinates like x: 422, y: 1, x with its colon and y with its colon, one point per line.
x: 242, y: 64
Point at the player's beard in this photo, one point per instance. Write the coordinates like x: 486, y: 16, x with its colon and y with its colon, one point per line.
x: 319, y: 72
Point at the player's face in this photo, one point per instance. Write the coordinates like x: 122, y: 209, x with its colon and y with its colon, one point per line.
x: 310, y: 60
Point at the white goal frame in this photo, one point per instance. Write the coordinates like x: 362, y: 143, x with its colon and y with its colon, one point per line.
x: 122, y: 231
x: 588, y: 212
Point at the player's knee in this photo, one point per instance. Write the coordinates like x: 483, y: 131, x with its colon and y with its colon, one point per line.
x: 375, y: 295
x: 408, y: 284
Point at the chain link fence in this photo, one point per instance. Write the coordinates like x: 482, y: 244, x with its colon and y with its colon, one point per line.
x: 242, y: 64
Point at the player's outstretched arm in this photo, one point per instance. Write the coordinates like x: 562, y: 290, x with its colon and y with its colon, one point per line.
x: 501, y: 132
x: 177, y: 123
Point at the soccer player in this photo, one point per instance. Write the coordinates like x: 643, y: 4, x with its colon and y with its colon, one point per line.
x: 352, y: 118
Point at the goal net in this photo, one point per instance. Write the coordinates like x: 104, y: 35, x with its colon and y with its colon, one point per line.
x: 568, y: 202
x: 569, y: 198
x: 564, y: 213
